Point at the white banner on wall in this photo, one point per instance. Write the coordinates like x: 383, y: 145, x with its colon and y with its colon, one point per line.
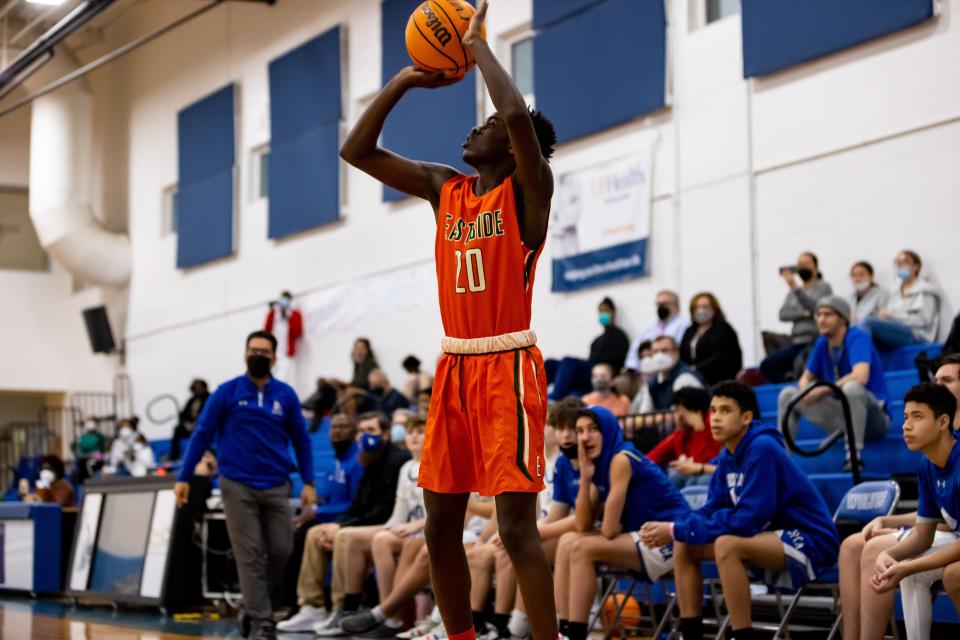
x: 600, y: 224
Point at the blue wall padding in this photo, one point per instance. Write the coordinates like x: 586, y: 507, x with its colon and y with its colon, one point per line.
x: 204, y: 202
x: 427, y: 124
x: 783, y: 33
x: 205, y: 219
x: 303, y: 180
x: 588, y: 76
x: 547, y: 12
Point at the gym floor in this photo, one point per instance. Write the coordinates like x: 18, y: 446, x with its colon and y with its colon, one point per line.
x: 25, y: 619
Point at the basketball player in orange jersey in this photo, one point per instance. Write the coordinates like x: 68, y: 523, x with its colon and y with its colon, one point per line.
x: 488, y: 408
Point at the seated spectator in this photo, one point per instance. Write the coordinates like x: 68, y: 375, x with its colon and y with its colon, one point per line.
x: 130, y: 453
x: 386, y: 398
x: 689, y: 451
x: 868, y: 298
x: 630, y: 490
x: 363, y: 363
x: 668, y: 374
x: 398, y: 426
x: 52, y: 485
x: 571, y: 376
x: 761, y: 512
x: 416, y: 379
x: 844, y: 356
x: 952, y: 343
x: 199, y: 392
x: 638, y: 387
x: 710, y: 345
x: 407, y: 521
x: 865, y: 611
x: 423, y: 402
x: 798, y: 307
x: 912, y: 313
x: 320, y: 403
x: 604, y: 394
x: 89, y: 449
x: 343, y: 479
x: 669, y: 322
x: 919, y: 559
x: 370, y: 508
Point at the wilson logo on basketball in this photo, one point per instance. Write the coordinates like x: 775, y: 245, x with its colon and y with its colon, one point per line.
x: 435, y: 25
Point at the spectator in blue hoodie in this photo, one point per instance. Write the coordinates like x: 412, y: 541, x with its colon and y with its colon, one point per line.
x: 631, y: 490
x: 255, y: 419
x: 761, y: 511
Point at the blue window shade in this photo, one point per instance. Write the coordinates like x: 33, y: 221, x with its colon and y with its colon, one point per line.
x: 204, y: 200
x: 547, y: 12
x: 303, y: 176
x: 781, y: 34
x: 589, y: 75
x: 428, y: 125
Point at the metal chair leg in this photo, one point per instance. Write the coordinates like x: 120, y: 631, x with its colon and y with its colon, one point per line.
x: 835, y: 627
x: 784, y: 627
x: 666, y: 619
x: 618, y: 613
x: 603, y: 601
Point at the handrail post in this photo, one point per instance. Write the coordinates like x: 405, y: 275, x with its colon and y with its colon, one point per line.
x: 836, y: 392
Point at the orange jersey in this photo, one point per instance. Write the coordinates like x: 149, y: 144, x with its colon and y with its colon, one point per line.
x: 484, y: 271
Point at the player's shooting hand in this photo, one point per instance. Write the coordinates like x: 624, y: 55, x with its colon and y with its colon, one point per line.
x: 475, y: 31
x: 423, y: 79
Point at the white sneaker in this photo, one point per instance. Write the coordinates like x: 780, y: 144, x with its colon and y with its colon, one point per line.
x: 305, y: 620
x: 439, y: 633
x: 422, y: 627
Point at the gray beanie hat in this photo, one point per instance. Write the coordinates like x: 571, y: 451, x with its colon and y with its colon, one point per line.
x: 838, y: 304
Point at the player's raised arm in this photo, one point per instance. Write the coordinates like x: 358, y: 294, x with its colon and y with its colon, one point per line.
x: 420, y: 179
x: 533, y: 172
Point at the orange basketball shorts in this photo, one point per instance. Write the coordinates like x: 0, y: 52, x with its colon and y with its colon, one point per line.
x: 485, y: 424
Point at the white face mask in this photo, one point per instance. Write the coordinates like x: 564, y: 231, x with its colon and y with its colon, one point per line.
x: 89, y: 426
x: 125, y: 434
x: 47, y: 476
x: 702, y: 315
x: 861, y: 286
x: 656, y: 363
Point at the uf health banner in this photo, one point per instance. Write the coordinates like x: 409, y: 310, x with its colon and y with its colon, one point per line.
x: 600, y: 223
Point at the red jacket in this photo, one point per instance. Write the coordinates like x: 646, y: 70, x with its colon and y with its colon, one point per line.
x: 294, y: 329
x: 698, y: 445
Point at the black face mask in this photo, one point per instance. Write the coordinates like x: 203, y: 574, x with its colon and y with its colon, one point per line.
x: 341, y: 447
x: 571, y: 451
x: 805, y: 274
x: 662, y: 312
x: 258, y: 366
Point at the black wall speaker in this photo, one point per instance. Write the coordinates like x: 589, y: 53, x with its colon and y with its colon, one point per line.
x: 98, y: 329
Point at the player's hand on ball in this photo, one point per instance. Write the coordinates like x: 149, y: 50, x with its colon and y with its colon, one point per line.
x: 420, y: 78
x: 474, y: 33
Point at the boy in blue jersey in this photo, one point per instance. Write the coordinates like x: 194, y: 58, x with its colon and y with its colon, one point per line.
x: 255, y: 419
x: 761, y: 511
x: 630, y: 490
x: 918, y: 560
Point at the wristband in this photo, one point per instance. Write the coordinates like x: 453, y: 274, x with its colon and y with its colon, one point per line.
x: 671, y: 531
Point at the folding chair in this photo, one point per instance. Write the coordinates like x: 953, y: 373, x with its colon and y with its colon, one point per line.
x: 860, y: 505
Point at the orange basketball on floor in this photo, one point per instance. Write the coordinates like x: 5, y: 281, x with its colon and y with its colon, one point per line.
x: 629, y: 617
x: 434, y: 34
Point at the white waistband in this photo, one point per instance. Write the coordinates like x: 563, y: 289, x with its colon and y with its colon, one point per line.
x: 491, y: 344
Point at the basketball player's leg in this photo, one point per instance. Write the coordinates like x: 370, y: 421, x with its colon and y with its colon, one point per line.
x: 584, y: 556
x: 517, y: 517
x: 449, y: 570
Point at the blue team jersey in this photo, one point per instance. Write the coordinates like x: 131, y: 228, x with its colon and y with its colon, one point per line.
x: 832, y: 364
x: 566, y: 482
x: 651, y: 497
x: 939, y: 490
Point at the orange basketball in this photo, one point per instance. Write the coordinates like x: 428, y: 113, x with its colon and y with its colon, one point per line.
x: 434, y: 34
x: 629, y: 617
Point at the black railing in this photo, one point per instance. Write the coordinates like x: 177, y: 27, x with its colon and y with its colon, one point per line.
x: 833, y: 437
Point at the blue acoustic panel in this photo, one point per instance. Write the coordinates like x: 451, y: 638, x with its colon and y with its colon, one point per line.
x: 781, y: 34
x: 205, y: 231
x: 205, y: 136
x: 304, y: 182
x: 305, y: 88
x: 547, y: 12
x: 588, y: 76
x: 428, y: 125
